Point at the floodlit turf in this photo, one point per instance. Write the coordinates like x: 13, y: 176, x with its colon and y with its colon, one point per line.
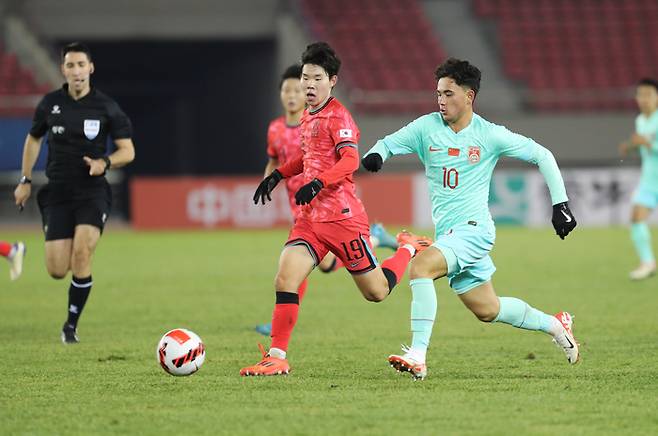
x: 483, y: 379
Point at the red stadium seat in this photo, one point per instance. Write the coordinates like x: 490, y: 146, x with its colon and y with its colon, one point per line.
x: 17, y: 81
x: 384, y: 44
x: 594, y: 49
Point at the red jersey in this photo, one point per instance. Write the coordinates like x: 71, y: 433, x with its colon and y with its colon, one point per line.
x: 284, y: 144
x: 324, y: 132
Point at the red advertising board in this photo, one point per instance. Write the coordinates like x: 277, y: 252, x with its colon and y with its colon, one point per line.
x: 220, y: 202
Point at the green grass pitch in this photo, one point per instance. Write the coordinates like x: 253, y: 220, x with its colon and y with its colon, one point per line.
x: 483, y: 379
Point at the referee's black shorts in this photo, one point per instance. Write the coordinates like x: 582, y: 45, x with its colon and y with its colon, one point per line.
x: 66, y: 205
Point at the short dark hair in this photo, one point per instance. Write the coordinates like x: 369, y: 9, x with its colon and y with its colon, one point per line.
x: 292, y: 72
x: 77, y: 47
x: 648, y: 81
x: 321, y: 53
x: 462, y: 72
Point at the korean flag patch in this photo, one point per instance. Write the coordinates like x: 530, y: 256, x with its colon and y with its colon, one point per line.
x: 345, y: 133
x: 92, y: 128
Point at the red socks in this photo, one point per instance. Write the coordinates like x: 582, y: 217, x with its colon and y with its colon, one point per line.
x: 286, y: 309
x: 395, y: 265
x: 302, y: 290
x: 284, y: 319
x: 285, y: 314
x: 5, y: 248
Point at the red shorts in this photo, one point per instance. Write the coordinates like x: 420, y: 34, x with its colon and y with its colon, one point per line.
x: 348, y: 239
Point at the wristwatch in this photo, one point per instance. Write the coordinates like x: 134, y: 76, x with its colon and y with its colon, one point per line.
x: 24, y: 180
x: 107, y: 163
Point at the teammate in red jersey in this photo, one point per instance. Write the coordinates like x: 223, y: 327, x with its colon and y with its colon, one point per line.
x: 283, y: 146
x: 283, y: 133
x: 332, y: 218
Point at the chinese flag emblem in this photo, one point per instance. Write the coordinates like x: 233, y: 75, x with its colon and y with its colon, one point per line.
x: 453, y: 151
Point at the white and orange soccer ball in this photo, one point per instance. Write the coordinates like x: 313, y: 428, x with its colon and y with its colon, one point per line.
x: 181, y: 352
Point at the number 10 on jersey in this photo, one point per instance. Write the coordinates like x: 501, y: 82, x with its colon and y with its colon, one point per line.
x: 450, y: 178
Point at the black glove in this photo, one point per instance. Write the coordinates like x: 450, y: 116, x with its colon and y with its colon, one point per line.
x: 267, y: 186
x: 563, y: 220
x: 308, y: 192
x: 372, y: 162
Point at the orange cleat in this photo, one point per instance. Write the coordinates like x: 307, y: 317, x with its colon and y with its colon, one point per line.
x: 418, y: 242
x: 268, y: 366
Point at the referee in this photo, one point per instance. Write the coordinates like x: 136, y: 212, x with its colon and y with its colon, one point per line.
x: 76, y: 201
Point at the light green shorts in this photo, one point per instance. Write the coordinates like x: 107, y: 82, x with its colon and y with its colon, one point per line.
x: 466, y: 249
x: 645, y: 197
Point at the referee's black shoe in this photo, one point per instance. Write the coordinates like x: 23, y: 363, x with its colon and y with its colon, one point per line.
x: 69, y: 334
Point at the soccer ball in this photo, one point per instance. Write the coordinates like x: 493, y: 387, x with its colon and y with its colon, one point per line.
x: 181, y: 352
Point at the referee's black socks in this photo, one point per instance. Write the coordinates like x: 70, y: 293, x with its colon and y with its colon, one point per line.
x: 78, y: 294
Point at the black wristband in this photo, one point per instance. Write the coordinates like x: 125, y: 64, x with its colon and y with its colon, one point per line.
x: 24, y: 180
x: 108, y: 163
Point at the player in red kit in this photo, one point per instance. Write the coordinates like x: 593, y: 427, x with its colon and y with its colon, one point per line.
x: 283, y: 133
x: 332, y: 218
x: 283, y: 146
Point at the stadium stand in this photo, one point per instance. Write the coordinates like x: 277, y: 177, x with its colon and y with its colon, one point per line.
x: 384, y: 44
x: 576, y: 55
x: 17, y: 87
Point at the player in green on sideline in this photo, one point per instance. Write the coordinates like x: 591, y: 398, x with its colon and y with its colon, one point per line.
x: 645, y: 197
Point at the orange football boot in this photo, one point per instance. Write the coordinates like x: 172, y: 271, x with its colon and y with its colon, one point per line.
x: 267, y: 366
x: 418, y: 242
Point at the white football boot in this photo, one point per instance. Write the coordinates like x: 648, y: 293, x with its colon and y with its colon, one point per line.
x: 644, y: 271
x: 408, y: 363
x: 565, y: 338
x: 15, y: 259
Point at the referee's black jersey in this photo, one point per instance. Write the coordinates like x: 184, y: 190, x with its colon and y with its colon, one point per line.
x: 77, y: 128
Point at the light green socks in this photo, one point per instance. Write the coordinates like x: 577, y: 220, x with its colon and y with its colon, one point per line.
x: 520, y: 314
x: 423, y: 314
x: 642, y: 240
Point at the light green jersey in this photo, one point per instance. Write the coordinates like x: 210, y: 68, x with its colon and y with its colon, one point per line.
x: 459, y: 166
x: 648, y: 127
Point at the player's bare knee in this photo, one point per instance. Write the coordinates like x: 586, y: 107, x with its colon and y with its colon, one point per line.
x: 57, y: 275
x: 57, y: 268
x: 283, y: 282
x: 373, y: 285
x: 279, y: 282
x: 57, y: 272
x: 375, y: 297
x: 419, y: 270
x: 375, y: 293
x: 488, y: 317
x: 486, y: 314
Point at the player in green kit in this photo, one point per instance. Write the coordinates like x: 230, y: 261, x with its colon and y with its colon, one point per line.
x: 645, y: 199
x: 459, y: 150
